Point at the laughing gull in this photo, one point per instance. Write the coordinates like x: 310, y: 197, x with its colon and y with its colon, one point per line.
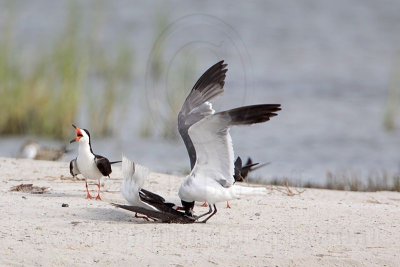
x: 197, y: 106
x: 142, y: 201
x: 211, y: 179
x: 90, y: 165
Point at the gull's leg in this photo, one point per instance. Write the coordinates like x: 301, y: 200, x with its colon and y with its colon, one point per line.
x: 204, y: 205
x: 88, y: 196
x: 208, y: 212
x: 228, y: 206
x: 212, y: 214
x: 98, y: 191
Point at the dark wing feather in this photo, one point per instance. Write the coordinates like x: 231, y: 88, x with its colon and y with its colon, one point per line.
x: 238, y: 170
x: 166, y: 217
x: 247, y: 168
x: 73, y: 168
x: 103, y: 164
x: 157, y: 201
x: 251, y: 114
x: 209, y: 85
x: 148, y: 196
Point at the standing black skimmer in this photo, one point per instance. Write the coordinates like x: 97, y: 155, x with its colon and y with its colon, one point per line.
x: 143, y: 201
x: 211, y: 179
x: 90, y: 165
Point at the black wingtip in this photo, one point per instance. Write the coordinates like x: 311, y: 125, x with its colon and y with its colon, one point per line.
x: 252, y: 114
x: 215, y: 74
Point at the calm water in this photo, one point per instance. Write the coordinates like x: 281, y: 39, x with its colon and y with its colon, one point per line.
x: 329, y: 63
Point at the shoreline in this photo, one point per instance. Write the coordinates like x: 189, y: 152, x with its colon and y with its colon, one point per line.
x: 314, y: 228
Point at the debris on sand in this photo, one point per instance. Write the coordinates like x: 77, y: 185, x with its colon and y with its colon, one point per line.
x: 29, y: 188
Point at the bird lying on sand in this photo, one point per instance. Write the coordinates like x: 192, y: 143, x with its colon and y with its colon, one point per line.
x: 145, y: 202
x: 90, y: 165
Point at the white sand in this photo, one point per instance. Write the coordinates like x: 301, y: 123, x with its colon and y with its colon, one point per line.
x: 318, y: 227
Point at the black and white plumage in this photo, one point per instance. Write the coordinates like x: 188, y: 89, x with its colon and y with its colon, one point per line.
x: 90, y: 165
x: 143, y: 201
x: 241, y: 172
x: 212, y: 178
x: 134, y: 177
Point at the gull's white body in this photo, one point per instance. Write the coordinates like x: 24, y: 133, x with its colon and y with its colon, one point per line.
x: 205, y: 189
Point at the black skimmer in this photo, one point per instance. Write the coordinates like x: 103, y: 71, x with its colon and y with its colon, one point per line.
x: 90, y: 165
x: 33, y: 150
x: 142, y: 201
x: 241, y: 172
x: 212, y: 177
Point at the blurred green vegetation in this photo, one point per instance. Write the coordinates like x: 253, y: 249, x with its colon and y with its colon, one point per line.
x: 44, y: 96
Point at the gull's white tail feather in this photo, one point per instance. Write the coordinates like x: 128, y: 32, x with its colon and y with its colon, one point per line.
x: 239, y: 191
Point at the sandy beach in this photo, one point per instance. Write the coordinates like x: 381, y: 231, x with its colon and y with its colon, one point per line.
x: 314, y: 228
